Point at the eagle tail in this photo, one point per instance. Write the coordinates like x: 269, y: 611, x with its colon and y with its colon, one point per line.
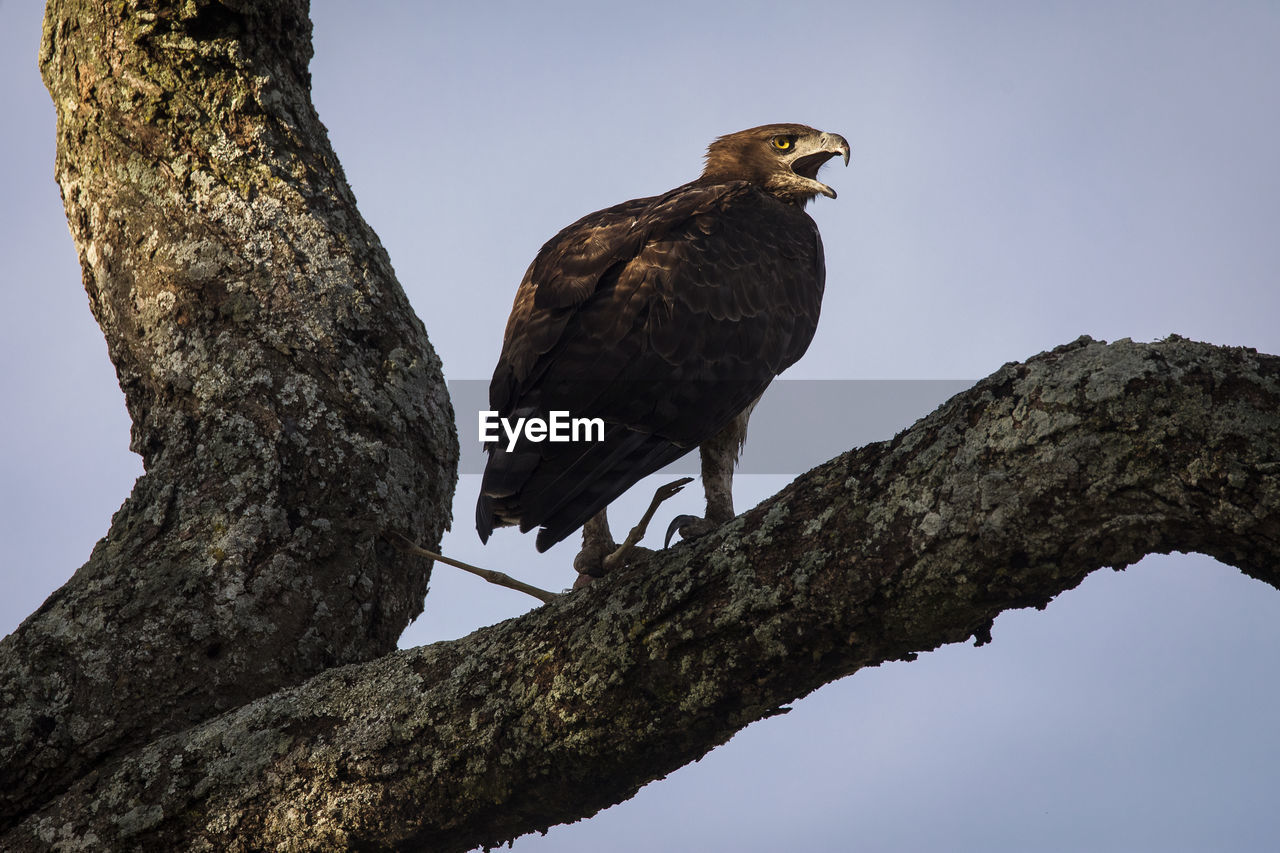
x: 608, y: 479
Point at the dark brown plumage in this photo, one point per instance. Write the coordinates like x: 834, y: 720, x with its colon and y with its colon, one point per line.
x: 665, y: 316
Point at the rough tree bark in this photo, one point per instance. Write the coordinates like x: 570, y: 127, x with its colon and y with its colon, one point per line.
x: 168, y: 696
x: 285, y: 400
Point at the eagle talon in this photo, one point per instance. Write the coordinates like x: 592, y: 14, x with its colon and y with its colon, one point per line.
x: 674, y: 526
x: 689, y: 527
x: 625, y: 556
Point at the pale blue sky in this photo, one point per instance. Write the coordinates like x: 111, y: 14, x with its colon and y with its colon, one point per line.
x: 1022, y: 174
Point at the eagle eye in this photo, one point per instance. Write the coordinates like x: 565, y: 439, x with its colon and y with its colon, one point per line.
x: 782, y: 143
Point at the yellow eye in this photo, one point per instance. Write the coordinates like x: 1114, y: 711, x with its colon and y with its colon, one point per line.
x: 781, y: 143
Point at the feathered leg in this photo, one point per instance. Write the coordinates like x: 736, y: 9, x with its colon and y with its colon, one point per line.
x: 719, y: 457
x: 597, y: 543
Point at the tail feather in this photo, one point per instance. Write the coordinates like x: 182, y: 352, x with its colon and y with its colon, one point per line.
x: 558, y: 487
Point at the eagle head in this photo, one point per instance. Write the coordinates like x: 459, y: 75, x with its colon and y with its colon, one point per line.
x: 782, y: 159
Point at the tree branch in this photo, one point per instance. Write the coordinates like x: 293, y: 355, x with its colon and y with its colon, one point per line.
x: 1084, y: 457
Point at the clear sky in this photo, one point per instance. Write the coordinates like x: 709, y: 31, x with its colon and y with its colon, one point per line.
x: 1022, y: 174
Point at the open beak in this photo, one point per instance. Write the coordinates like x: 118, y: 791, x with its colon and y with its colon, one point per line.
x: 821, y: 148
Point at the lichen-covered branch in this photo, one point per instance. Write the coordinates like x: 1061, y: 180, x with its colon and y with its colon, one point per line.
x: 285, y: 400
x: 1084, y: 457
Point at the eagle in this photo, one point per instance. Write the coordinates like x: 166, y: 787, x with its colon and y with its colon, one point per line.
x: 665, y: 318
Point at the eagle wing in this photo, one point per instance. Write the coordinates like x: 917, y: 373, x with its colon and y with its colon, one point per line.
x: 663, y: 316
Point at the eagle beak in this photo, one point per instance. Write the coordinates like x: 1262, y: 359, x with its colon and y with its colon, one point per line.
x: 836, y: 144
x: 832, y: 145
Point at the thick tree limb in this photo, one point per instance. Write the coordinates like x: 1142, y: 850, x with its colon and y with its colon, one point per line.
x: 285, y: 400
x: 1088, y: 456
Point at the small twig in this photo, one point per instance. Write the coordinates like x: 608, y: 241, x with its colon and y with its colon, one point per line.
x: 488, y: 574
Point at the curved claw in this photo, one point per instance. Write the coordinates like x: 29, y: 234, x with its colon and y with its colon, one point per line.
x: 676, y: 523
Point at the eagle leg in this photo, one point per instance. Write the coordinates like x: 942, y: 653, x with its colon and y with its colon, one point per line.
x: 597, y: 543
x: 719, y: 457
x: 600, y: 555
